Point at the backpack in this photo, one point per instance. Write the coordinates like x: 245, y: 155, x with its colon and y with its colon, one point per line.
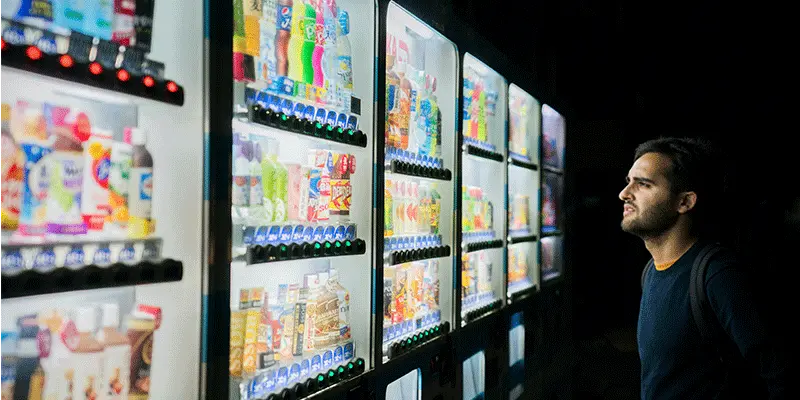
x: 738, y: 377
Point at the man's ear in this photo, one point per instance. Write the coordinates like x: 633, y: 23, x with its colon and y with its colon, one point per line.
x: 687, y: 202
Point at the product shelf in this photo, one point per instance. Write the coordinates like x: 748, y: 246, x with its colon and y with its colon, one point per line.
x: 85, y: 60
x: 89, y: 277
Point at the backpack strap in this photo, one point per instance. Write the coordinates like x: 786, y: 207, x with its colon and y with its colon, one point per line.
x: 704, y: 318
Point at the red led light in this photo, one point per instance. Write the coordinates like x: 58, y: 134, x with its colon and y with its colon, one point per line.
x: 66, y: 61
x: 33, y: 53
x: 123, y: 75
x: 3, y: 44
x: 149, y: 81
x: 95, y: 68
x: 172, y: 87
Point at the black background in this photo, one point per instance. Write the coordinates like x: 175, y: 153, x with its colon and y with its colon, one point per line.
x: 626, y: 71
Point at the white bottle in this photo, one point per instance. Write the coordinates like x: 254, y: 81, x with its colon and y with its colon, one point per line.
x: 140, y: 189
x: 87, y: 357
x: 345, y: 62
x: 240, y: 195
x: 116, y: 356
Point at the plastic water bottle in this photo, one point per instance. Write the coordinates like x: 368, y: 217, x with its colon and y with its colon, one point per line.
x: 344, y: 70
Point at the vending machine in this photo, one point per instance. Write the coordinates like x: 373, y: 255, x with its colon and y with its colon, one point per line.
x: 483, y: 143
x: 102, y: 186
x: 522, y: 238
x: 552, y: 231
x: 301, y: 196
x: 417, y: 160
x: 523, y: 192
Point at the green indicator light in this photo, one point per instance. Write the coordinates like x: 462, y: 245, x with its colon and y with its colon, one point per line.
x: 340, y: 369
x: 340, y: 130
x: 316, y: 245
x: 320, y: 377
x: 350, y: 132
x: 416, y: 338
x: 284, y: 117
x: 283, y: 247
x: 331, y: 374
x: 347, y: 243
x: 437, y: 329
x: 350, y: 366
x: 319, y: 125
x: 427, y: 333
x: 360, y: 362
x: 408, y: 341
x: 338, y: 244
x: 330, y: 127
x: 328, y: 245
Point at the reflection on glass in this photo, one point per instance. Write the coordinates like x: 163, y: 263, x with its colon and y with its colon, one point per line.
x: 516, y: 356
x: 552, y: 137
x: 406, y: 388
x: 552, y: 257
x: 474, y: 374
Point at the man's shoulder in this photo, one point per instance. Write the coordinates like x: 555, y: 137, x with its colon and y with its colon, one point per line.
x: 726, y: 259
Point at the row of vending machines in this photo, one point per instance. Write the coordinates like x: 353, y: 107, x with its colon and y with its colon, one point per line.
x: 275, y: 199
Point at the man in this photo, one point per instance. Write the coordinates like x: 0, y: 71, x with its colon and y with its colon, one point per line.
x: 672, y: 190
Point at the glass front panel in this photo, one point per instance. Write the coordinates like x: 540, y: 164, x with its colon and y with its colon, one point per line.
x: 405, y: 388
x: 523, y: 189
x: 301, y: 194
x: 418, y: 193
x: 474, y: 377
x: 553, y: 129
x: 552, y: 201
x: 102, y: 188
x: 552, y: 257
x: 483, y: 185
x: 516, y: 356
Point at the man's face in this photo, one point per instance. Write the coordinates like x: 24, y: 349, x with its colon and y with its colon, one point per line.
x: 650, y: 207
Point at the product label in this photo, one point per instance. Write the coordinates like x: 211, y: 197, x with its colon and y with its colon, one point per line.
x: 329, y: 233
x: 150, y: 251
x: 260, y: 235
x: 116, y: 371
x: 316, y: 363
x: 337, y: 355
x: 350, y: 232
x: 283, y: 376
x: 286, y: 234
x: 45, y: 259
x: 305, y: 368
x: 318, y: 233
x: 297, y: 234
x: 86, y: 378
x: 345, y: 71
x: 34, y: 188
x: 240, y: 195
x: 285, y: 18
x: 127, y: 254
x: 308, y: 234
x: 294, y: 372
x: 102, y: 255
x: 352, y: 122
x: 349, y: 351
x: 274, y: 234
x: 140, y: 200
x: 256, y: 190
x: 327, y: 359
x: 320, y: 116
x: 12, y: 261
x: 75, y: 257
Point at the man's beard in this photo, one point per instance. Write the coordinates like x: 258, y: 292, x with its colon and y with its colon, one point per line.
x: 651, y: 222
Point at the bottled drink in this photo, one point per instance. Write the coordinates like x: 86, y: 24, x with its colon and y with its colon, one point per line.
x: 309, y: 39
x: 285, y: 25
x: 344, y: 70
x: 319, y: 42
x: 140, y: 191
x: 296, y: 38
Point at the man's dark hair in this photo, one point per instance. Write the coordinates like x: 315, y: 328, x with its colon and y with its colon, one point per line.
x: 696, y: 166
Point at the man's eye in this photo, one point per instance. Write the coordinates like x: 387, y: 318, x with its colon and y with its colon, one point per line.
x: 644, y: 184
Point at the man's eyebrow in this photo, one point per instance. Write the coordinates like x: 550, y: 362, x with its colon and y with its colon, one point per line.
x: 640, y: 179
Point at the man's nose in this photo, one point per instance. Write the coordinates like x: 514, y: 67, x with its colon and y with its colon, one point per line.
x: 625, y: 195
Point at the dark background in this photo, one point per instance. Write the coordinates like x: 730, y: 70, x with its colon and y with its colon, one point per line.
x: 626, y: 71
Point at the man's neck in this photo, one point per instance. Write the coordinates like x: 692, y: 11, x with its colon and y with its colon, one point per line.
x: 670, y: 245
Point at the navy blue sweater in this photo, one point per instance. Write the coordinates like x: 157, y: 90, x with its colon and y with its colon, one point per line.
x: 675, y: 364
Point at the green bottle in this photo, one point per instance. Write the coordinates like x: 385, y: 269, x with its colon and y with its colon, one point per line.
x: 309, y: 36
